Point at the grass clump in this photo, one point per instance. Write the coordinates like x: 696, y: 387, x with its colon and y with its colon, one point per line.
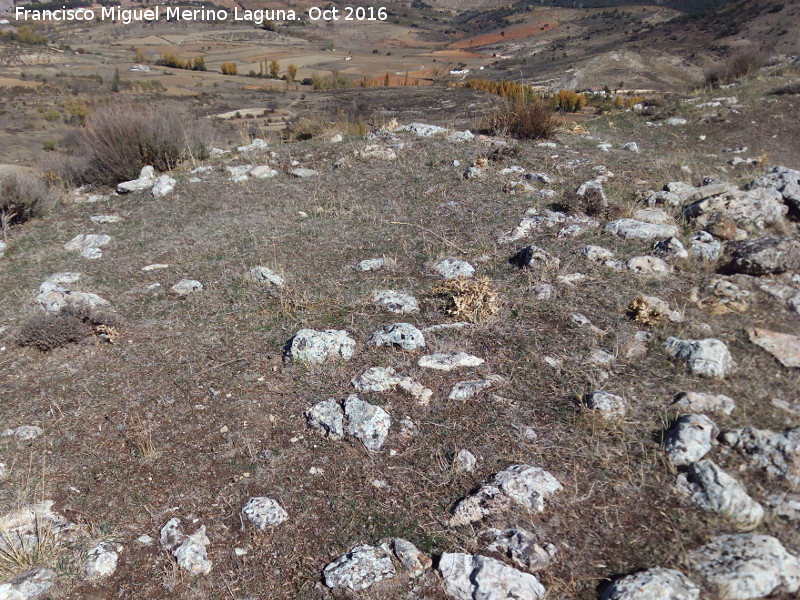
x: 473, y: 300
x: 23, y: 198
x: 70, y: 326
x: 738, y: 65
x: 523, y: 119
x: 643, y: 312
x: 119, y: 139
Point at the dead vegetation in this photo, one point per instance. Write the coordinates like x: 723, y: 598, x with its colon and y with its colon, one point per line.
x: 530, y: 119
x: 72, y: 325
x: 23, y: 198
x: 473, y: 300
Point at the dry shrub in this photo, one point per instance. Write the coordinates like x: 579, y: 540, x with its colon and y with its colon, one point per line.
x: 738, y: 65
x: 119, y: 139
x: 70, y: 326
x: 23, y: 198
x: 473, y: 300
x: 645, y: 313
x: 523, y: 119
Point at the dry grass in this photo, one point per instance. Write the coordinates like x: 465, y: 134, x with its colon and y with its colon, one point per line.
x: 524, y: 119
x: 72, y: 325
x: 23, y: 198
x: 473, y: 300
x: 645, y: 313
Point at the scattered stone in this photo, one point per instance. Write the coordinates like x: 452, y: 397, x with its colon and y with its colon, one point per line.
x: 599, y: 357
x: 366, y: 422
x: 785, y: 504
x: 720, y: 296
x: 582, y: 321
x: 88, y: 245
x: 452, y: 268
x: 520, y: 547
x: 663, y: 198
x: 155, y: 267
x: 534, y: 221
x: 605, y: 146
x: 608, y: 406
x: 712, y: 489
x: 596, y: 254
x: 778, y: 453
x: 396, y: 302
x: 784, y: 347
x: 533, y: 257
x: 745, y: 566
x: 633, y: 229
x: 102, y: 219
x: 262, y: 172
x: 187, y: 286
x: 473, y: 173
x: 101, y: 561
x: 458, y: 137
x: 375, y: 264
x: 384, y: 379
x: 303, y: 173
x: 447, y: 327
x: 238, y: 172
x: 638, y: 344
x: 766, y: 255
x: 147, y: 177
x: 447, y: 362
x: 700, y: 402
x: 327, y: 417
x: 265, y: 275
x: 464, y: 461
x: 162, y: 186
x: 360, y: 568
x: 657, y: 583
x: 464, y: 390
x: 309, y: 345
x: 543, y: 291
x: 675, y: 121
x: 29, y: 585
x: 750, y: 210
x: 402, y: 335
x: 257, y: 145
x: 409, y: 556
x: 264, y: 512
x: 655, y: 216
x: 189, y: 551
x: 145, y: 539
x: 377, y: 151
x: 23, y: 433
x: 422, y: 129
x: 468, y: 577
x: 709, y: 357
x: 705, y: 246
x: 648, y: 265
x: 631, y: 147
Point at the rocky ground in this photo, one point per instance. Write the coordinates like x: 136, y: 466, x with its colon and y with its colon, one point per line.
x: 425, y: 364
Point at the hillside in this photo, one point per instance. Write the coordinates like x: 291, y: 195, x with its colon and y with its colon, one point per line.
x: 519, y: 365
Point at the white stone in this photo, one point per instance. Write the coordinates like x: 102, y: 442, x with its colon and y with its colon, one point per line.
x: 745, y: 566
x: 187, y: 286
x: 101, y: 219
x: 410, y: 557
x: 189, y: 550
x: 385, y: 379
x: 460, y: 137
x: 778, y: 453
x: 468, y: 577
x: 442, y: 361
x: 264, y: 512
x: 674, y: 121
x: 266, y: 275
x: 162, y: 186
x: 609, y: 406
x: 401, y: 335
x: 520, y: 547
x: 705, y: 246
x: 309, y: 345
x: 366, y: 422
x: 464, y: 461
x: 146, y: 179
x: 88, y: 245
x: 375, y: 264
x: 465, y: 390
x: 671, y: 247
x: 422, y: 129
x: 452, y: 268
x: 690, y: 439
x: 23, y: 432
x: 262, y: 172
x: 396, y: 302
x: 360, y: 568
x: 327, y: 417
x: 257, y: 145
x: 712, y: 489
x: 709, y: 357
x: 700, y: 402
x: 648, y: 265
x: 101, y: 561
x: 29, y: 585
x: 633, y: 229
x: 657, y: 583
x: 631, y: 147
x: 238, y: 172
x: 596, y: 253
x: 303, y: 173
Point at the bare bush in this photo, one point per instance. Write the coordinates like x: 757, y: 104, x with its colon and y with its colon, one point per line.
x: 70, y: 326
x: 23, y: 198
x: 741, y: 64
x: 119, y: 139
x: 523, y: 119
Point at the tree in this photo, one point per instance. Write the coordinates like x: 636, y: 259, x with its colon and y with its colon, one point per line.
x: 386, y: 80
x: 228, y: 68
x: 291, y: 73
x: 199, y: 64
x: 274, y: 68
x: 115, y: 81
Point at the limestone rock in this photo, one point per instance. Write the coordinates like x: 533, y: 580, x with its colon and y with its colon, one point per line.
x: 709, y: 357
x: 752, y: 210
x: 187, y: 286
x: 690, y: 439
x: 705, y: 246
x: 3, y: 247
x: 162, y: 186
x: 469, y: 577
x: 766, y: 255
x: 262, y: 172
x: 464, y: 461
x: 656, y: 216
x: 29, y: 585
x: 464, y: 390
x: 452, y: 268
x: 745, y: 566
x: 401, y: 335
x: 533, y: 257
x: 23, y: 433
x: 238, y: 172
x: 366, y: 422
x: 327, y: 417
x: 784, y: 347
x: 257, y: 145
x: 396, y: 302
x: 189, y: 550
x: 265, y: 275
x: 442, y: 361
x: 264, y: 512
x: 596, y: 254
x: 657, y: 583
x: 303, y: 173
x: 101, y: 561
x: 384, y: 379
x: 712, y: 489
x: 360, y: 568
x: 146, y: 179
x: 88, y: 245
x: 633, y: 229
x: 784, y: 504
x: 422, y: 129
x: 375, y: 264
x: 648, y: 265
x: 377, y: 151
x: 520, y: 547
x: 410, y: 557
x: 701, y: 402
x: 778, y: 453
x: 670, y: 248
x: 103, y: 219
x: 608, y: 406
x: 719, y: 296
x: 458, y: 137
x: 309, y: 345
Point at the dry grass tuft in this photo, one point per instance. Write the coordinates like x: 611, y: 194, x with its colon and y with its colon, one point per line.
x: 21, y: 552
x: 645, y: 313
x: 473, y: 300
x: 23, y: 198
x: 523, y: 119
x: 70, y: 326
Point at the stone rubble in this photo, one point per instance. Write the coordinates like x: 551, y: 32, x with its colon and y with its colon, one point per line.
x: 311, y: 346
x: 385, y: 379
x: 264, y: 512
x: 399, y: 335
x: 709, y: 357
x: 396, y: 302
x: 689, y: 439
x: 190, y: 551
